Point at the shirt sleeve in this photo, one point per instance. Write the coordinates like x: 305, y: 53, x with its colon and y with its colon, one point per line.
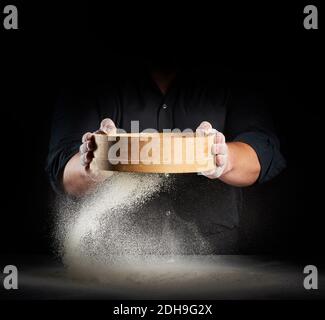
x: 74, y: 115
x: 248, y: 120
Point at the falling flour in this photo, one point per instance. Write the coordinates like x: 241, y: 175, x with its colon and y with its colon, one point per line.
x: 121, y: 225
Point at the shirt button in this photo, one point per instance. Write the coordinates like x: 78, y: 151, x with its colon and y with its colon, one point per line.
x: 165, y: 106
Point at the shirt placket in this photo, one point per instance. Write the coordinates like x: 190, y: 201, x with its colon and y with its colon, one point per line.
x: 165, y: 116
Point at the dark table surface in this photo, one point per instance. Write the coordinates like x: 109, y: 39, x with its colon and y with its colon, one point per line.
x: 192, y: 277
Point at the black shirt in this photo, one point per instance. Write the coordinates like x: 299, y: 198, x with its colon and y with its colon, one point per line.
x: 193, y: 97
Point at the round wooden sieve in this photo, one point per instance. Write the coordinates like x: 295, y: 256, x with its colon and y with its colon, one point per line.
x: 154, y: 152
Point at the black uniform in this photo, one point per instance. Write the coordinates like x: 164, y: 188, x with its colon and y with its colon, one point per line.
x: 193, y: 97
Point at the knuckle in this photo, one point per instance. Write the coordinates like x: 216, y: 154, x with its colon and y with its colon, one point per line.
x: 220, y: 160
x: 86, y: 136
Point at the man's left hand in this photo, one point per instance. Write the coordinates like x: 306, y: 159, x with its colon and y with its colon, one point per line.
x: 219, y: 149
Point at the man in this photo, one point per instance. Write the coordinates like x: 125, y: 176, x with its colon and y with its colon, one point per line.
x: 246, y: 149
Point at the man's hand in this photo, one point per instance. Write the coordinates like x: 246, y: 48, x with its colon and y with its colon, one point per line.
x: 219, y: 149
x: 78, y: 177
x: 88, y: 146
x: 237, y: 163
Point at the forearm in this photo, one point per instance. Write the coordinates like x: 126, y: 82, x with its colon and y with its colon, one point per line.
x: 243, y: 166
x: 75, y: 180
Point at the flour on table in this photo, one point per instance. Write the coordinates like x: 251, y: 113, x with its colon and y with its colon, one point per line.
x: 117, y: 226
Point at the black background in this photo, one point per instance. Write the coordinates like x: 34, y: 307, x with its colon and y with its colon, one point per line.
x: 263, y: 43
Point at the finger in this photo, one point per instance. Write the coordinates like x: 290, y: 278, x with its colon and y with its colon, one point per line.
x: 108, y: 126
x: 86, y: 136
x: 219, y: 148
x: 220, y: 160
x: 83, y: 148
x: 88, y: 145
x: 212, y: 174
x: 204, y: 127
x: 91, y: 145
x: 86, y: 158
x: 220, y: 138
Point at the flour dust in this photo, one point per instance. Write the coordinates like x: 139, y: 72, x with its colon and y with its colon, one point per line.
x: 124, y: 223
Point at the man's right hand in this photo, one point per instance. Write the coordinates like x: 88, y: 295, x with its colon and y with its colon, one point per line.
x: 88, y: 142
x: 78, y: 177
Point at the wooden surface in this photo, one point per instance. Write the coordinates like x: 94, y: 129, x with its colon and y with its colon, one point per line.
x: 153, y: 153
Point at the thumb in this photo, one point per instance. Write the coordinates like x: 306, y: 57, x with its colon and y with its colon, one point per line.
x: 205, y: 128
x: 108, y: 126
